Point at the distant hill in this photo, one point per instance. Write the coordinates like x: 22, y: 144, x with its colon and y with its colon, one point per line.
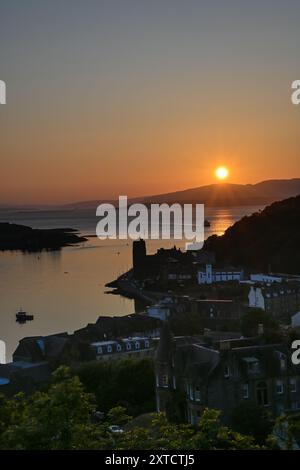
x: 21, y: 237
x: 266, y: 241
x: 224, y: 195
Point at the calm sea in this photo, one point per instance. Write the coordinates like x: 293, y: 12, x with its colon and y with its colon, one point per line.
x: 65, y: 289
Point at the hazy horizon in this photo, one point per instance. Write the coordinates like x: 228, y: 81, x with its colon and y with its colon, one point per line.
x: 138, y: 196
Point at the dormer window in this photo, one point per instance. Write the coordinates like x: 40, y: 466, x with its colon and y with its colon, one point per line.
x: 252, y: 364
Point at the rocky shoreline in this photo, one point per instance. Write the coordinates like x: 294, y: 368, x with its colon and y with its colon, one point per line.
x: 24, y: 238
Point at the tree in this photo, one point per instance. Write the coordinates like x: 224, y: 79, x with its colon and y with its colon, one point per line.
x: 56, y: 419
x: 62, y: 418
x: 129, y: 383
x: 250, y: 419
x: 162, y: 434
x: 287, y: 432
x: 118, y: 416
x: 253, y: 318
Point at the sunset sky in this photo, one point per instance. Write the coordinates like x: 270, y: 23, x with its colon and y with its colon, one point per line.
x: 136, y: 97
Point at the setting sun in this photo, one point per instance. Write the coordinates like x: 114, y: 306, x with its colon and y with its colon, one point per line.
x: 222, y: 173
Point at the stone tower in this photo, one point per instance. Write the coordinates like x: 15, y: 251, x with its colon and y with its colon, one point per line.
x: 139, y: 256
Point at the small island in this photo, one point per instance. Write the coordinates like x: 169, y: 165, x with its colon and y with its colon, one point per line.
x: 21, y: 237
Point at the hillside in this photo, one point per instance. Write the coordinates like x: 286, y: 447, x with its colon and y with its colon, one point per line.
x: 214, y: 195
x: 267, y: 240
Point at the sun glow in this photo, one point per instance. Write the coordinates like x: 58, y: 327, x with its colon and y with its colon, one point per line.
x: 222, y: 172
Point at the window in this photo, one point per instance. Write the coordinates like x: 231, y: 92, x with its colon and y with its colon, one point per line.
x: 99, y: 350
x: 137, y: 345
x: 109, y: 349
x: 119, y: 348
x: 279, y: 387
x: 226, y: 371
x: 147, y: 344
x: 157, y: 377
x: 174, y: 382
x: 295, y: 405
x: 197, y: 394
x: 164, y: 381
x: 245, y: 391
x: 293, y: 385
x: 128, y: 346
x: 262, y: 394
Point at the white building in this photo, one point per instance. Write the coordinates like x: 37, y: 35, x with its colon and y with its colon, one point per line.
x: 159, y: 311
x: 295, y: 320
x: 210, y: 275
x: 256, y: 298
x: 265, y: 278
x: 115, y: 349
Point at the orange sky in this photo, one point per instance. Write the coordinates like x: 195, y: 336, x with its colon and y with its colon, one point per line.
x: 113, y: 101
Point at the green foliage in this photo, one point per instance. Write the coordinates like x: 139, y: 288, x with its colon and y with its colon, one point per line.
x: 209, y: 435
x: 57, y: 419
x: 287, y: 431
x: 248, y: 418
x: 129, y: 383
x: 118, y: 416
x: 63, y: 417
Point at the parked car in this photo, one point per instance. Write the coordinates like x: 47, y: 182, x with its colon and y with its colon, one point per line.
x: 115, y: 429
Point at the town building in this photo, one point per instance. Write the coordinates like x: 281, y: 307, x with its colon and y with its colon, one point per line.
x: 266, y: 278
x: 295, y: 320
x: 137, y: 347
x: 23, y: 375
x: 192, y: 375
x: 281, y: 300
x: 216, y: 314
x: 107, y: 328
x: 210, y: 274
x: 160, y: 310
x: 269, y: 278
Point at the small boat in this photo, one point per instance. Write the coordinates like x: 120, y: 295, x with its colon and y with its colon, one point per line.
x: 23, y: 317
x: 206, y: 223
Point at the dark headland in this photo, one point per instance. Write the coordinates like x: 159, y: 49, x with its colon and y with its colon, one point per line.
x: 267, y: 241
x: 21, y: 237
